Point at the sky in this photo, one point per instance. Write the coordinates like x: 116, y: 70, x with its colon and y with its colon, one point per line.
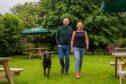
x: 5, y: 5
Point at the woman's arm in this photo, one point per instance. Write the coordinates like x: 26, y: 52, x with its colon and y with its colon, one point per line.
x: 72, y: 40
x: 86, y: 40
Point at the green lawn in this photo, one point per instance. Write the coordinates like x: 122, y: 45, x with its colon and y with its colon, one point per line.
x: 96, y: 70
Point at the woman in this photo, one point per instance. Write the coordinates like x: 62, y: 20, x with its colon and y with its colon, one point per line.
x: 79, y: 43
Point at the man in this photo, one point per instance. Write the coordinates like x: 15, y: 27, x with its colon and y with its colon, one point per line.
x: 63, y: 38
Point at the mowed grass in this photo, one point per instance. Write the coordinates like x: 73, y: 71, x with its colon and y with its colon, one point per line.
x: 96, y: 70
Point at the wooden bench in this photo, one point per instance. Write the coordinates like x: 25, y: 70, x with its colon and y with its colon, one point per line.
x: 113, y: 63
x: 123, y: 64
x: 122, y: 75
x: 37, y: 52
x: 120, y: 54
x: 14, y: 72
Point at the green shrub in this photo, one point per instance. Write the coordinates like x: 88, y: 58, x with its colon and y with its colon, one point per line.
x: 10, y: 29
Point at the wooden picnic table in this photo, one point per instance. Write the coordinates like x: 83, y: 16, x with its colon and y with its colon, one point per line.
x: 119, y: 56
x: 37, y: 51
x: 4, y: 62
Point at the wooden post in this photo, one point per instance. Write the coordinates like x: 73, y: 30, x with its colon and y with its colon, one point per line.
x: 120, y: 69
x: 8, y: 73
x: 116, y: 59
x: 40, y: 52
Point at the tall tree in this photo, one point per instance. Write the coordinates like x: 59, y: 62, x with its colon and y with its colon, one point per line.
x: 103, y: 28
x: 28, y: 12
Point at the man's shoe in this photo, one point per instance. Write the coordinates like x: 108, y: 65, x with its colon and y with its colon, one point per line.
x: 62, y: 70
x: 66, y: 73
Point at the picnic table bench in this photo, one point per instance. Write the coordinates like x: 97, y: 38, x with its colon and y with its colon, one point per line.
x: 9, y: 72
x: 119, y: 63
x: 37, y: 52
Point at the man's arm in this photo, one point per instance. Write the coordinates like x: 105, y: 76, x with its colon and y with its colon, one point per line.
x: 72, y: 40
x: 57, y: 36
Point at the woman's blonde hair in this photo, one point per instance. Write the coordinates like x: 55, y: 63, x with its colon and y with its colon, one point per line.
x: 80, y: 24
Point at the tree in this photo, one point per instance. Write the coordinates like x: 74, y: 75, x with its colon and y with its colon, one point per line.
x: 103, y: 28
x: 28, y: 12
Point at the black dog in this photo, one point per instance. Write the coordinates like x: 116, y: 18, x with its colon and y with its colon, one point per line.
x: 46, y: 63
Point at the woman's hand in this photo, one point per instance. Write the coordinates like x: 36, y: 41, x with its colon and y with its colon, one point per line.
x: 72, y: 49
x: 87, y: 47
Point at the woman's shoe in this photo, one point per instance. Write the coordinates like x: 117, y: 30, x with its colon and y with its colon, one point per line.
x: 77, y: 75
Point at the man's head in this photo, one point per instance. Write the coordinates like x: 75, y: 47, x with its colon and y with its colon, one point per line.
x: 66, y: 21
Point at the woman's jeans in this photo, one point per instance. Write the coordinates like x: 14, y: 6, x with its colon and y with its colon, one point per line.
x: 64, y: 51
x: 79, y: 53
